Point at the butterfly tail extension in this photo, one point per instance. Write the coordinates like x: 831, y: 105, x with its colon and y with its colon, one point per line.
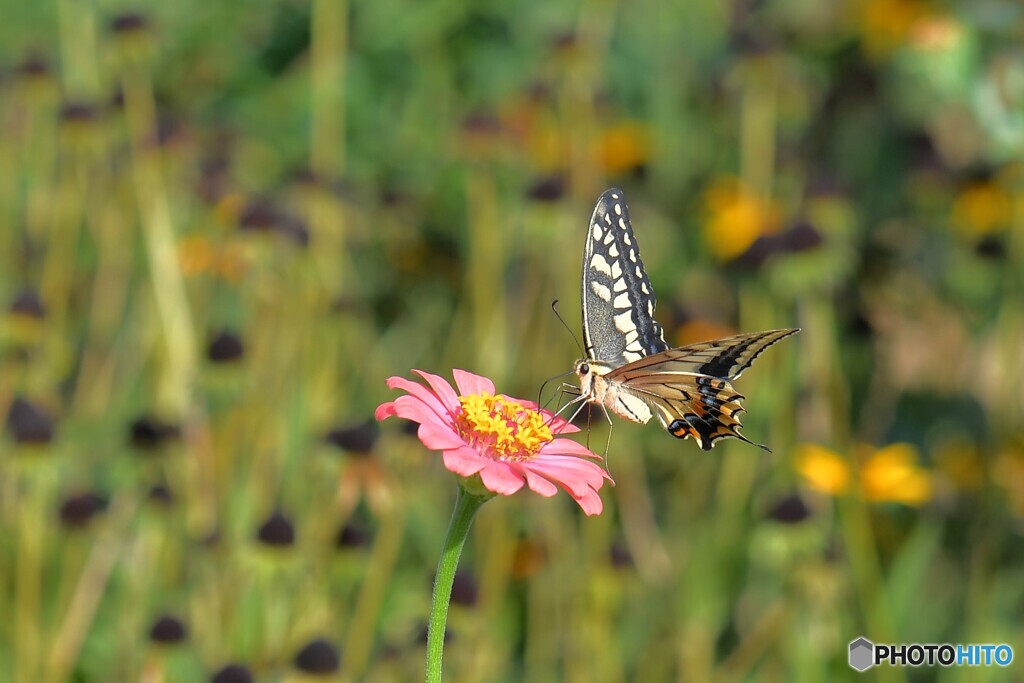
x: 706, y: 433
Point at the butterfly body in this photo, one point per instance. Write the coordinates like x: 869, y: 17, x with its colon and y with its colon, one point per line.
x: 612, y: 395
x: 630, y: 370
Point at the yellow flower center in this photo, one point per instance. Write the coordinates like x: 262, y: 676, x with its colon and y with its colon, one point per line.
x: 502, y: 428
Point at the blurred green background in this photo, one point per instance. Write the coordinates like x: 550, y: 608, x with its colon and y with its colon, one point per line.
x: 224, y: 224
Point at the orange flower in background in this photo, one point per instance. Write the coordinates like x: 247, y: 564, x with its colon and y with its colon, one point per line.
x: 533, y: 124
x: 886, y: 475
x: 736, y: 217
x: 936, y: 33
x: 619, y: 148
x: 197, y: 255
x: 623, y: 147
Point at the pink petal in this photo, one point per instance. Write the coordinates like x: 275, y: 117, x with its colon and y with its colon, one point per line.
x: 539, y: 484
x: 464, y: 461
x: 469, y: 383
x: 572, y: 473
x: 590, y: 502
x: 442, y: 388
x: 532, y: 405
x: 499, y: 477
x: 425, y: 395
x: 560, y: 425
x: 568, y: 447
x: 579, y: 466
x: 384, y: 411
x: 439, y: 438
x: 411, y: 408
x: 584, y: 492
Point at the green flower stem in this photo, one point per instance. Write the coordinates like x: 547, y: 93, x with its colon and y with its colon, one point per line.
x: 466, y: 505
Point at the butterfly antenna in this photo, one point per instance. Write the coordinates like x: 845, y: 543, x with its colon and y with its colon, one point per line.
x: 540, y: 394
x: 554, y: 308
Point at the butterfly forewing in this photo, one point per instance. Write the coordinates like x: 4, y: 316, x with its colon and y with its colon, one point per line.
x: 725, y: 358
x: 618, y: 300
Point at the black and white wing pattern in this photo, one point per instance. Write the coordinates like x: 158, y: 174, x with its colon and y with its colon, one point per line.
x: 629, y: 369
x: 618, y: 300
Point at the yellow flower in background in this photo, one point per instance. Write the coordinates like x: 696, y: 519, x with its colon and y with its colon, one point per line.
x: 533, y: 126
x: 891, y: 474
x: 825, y: 471
x: 886, y: 25
x: 736, y: 217
x: 623, y: 147
x: 982, y: 208
x: 887, y: 475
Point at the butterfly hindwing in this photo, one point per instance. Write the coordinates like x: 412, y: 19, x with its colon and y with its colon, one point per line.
x: 689, y: 388
x: 700, y: 407
x: 618, y: 300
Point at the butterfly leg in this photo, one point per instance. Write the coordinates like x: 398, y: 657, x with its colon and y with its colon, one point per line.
x: 576, y: 400
x: 611, y: 426
x: 608, y: 442
x: 581, y: 399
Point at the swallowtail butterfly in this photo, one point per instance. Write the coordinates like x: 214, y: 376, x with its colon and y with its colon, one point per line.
x: 629, y: 369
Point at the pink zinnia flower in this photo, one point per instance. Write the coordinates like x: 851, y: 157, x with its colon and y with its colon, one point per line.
x: 507, y: 441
